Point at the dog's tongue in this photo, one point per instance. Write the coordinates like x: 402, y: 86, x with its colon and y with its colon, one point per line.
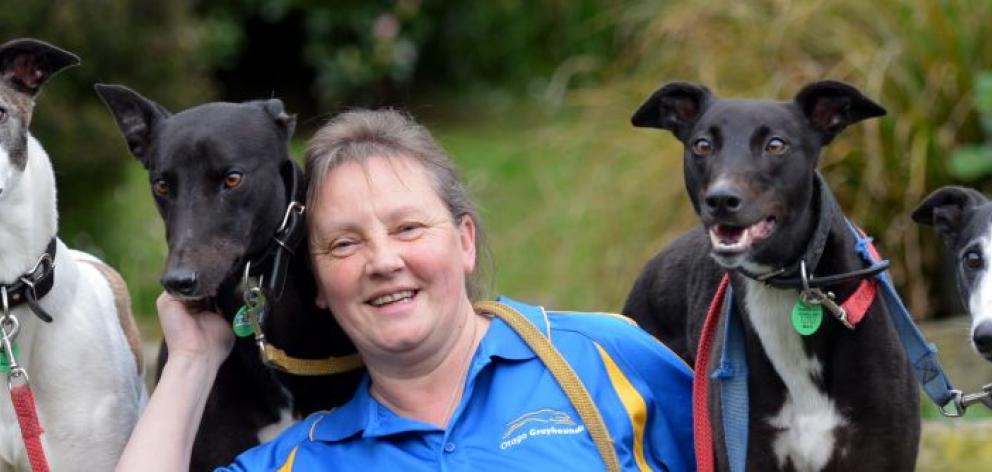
x: 728, y: 235
x: 730, y: 239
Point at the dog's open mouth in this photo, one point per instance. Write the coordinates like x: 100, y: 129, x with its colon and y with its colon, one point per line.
x: 730, y: 239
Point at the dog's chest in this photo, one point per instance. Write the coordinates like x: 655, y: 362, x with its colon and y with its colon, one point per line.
x: 808, y: 419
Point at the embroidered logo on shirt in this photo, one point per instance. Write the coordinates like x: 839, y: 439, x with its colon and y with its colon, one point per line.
x: 543, y: 422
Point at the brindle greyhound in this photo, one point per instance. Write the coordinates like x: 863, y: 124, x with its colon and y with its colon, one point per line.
x: 839, y: 398
x: 223, y: 181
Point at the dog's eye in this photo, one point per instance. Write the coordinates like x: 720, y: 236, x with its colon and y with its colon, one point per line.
x: 973, y: 260
x: 702, y: 147
x: 233, y: 179
x: 3, y: 114
x: 161, y: 187
x: 776, y: 146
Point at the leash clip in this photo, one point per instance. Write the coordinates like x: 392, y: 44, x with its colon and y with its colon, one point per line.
x: 254, y: 299
x: 961, y: 401
x: 815, y: 296
x: 9, y: 329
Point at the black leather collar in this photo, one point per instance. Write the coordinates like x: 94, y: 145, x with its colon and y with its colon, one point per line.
x: 35, y: 284
x: 274, y: 261
x: 789, y: 276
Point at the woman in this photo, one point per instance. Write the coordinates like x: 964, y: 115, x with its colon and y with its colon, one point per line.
x: 394, y: 245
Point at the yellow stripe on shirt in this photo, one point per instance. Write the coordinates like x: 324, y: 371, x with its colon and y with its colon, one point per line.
x: 632, y: 402
x: 288, y: 465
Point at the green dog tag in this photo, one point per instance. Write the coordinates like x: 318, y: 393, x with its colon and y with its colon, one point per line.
x: 242, y: 325
x: 806, y: 318
x: 5, y: 361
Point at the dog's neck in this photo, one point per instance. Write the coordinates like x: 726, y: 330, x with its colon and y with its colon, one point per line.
x: 28, y: 216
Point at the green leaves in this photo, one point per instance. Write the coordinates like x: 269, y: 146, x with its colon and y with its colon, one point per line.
x: 972, y: 163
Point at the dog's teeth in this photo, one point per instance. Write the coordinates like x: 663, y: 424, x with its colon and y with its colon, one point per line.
x: 392, y: 297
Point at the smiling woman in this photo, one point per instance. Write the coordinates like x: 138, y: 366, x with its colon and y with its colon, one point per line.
x: 394, y: 248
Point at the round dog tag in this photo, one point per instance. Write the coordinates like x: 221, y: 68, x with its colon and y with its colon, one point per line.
x: 5, y: 361
x: 806, y: 318
x: 242, y: 326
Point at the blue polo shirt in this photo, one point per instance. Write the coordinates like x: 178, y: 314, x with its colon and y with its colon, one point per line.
x: 513, y: 415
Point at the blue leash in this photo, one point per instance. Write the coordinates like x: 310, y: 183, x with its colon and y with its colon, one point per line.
x: 732, y: 372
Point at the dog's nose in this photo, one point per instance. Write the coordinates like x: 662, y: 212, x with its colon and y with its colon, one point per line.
x: 982, y: 336
x: 182, y: 282
x: 723, y: 200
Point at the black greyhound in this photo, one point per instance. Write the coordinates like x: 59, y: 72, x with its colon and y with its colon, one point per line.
x: 837, y: 398
x: 223, y: 182
x: 963, y: 218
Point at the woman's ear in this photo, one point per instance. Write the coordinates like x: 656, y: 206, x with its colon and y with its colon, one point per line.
x: 466, y: 235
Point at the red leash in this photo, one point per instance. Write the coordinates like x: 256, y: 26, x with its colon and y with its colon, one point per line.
x: 20, y: 389
x: 856, y: 307
x: 27, y: 417
x: 700, y: 382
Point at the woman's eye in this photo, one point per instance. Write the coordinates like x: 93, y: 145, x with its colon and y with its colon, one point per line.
x: 702, y: 147
x: 409, y: 231
x: 973, y: 260
x: 776, y: 146
x: 161, y: 187
x: 233, y: 179
x: 343, y: 247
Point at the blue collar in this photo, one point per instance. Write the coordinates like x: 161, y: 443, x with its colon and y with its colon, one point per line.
x: 364, y: 415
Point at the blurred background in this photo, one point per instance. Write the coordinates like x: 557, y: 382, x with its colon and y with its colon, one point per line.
x: 533, y: 99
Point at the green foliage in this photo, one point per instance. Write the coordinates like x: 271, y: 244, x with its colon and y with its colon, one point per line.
x: 972, y: 163
x: 145, y: 45
x: 373, y: 52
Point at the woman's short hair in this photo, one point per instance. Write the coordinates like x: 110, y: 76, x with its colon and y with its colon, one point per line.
x: 357, y: 135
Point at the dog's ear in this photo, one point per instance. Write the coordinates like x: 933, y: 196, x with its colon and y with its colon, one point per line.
x: 136, y: 116
x: 831, y: 106
x: 25, y: 64
x: 944, y: 208
x: 675, y: 107
x: 285, y: 121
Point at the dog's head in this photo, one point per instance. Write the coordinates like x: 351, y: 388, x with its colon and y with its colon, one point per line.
x: 218, y: 174
x: 963, y: 219
x: 25, y: 65
x: 750, y: 164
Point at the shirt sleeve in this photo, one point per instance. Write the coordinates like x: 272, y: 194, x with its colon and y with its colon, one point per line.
x: 274, y: 454
x: 665, y: 382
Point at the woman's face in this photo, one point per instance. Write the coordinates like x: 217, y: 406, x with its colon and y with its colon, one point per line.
x: 389, y: 259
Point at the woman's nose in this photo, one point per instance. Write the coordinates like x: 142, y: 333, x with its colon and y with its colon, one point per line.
x: 385, y: 259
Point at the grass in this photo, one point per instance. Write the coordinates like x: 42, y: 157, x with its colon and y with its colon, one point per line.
x: 573, y: 209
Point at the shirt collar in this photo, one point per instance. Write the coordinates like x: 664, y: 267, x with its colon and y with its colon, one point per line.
x: 364, y: 414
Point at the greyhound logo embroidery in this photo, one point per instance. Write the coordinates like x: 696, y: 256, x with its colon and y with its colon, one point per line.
x: 543, y: 422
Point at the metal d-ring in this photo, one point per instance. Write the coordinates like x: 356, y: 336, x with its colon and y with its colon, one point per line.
x: 293, y: 206
x: 808, y: 296
x: 5, y: 301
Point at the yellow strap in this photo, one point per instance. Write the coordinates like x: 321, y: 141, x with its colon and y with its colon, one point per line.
x: 563, y: 373
x: 331, y: 365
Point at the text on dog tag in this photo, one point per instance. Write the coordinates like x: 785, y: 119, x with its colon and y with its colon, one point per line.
x: 806, y: 317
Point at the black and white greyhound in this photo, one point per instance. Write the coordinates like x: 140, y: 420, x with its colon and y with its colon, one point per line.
x: 223, y: 180
x: 963, y: 219
x: 68, y: 314
x: 822, y: 395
